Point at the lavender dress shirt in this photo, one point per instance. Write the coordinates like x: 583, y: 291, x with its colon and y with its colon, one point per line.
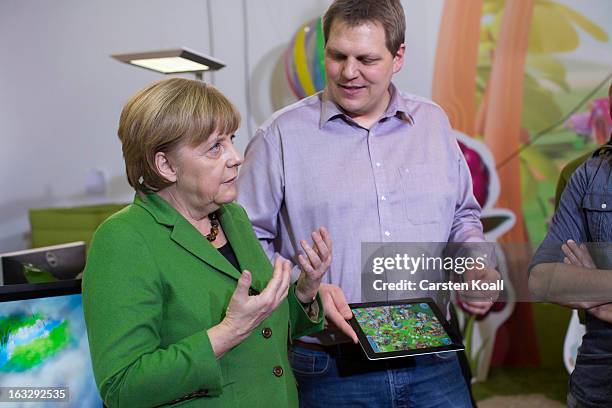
x: 403, y: 180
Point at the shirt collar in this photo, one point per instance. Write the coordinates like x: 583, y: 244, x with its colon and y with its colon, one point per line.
x: 397, y: 107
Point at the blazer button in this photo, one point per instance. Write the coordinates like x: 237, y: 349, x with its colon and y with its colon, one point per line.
x: 278, y: 371
x: 266, y: 333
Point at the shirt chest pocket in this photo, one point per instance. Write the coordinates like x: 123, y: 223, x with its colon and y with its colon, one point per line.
x: 427, y: 194
x: 598, y: 210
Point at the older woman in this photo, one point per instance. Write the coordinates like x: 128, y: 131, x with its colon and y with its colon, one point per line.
x: 181, y: 302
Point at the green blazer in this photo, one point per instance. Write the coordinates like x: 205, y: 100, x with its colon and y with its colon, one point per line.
x: 152, y: 287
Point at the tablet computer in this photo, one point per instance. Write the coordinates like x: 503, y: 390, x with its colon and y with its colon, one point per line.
x: 403, y: 328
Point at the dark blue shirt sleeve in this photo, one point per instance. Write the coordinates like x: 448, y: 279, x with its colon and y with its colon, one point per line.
x: 568, y: 221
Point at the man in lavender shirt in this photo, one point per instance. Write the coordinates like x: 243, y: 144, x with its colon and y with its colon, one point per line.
x: 372, y: 164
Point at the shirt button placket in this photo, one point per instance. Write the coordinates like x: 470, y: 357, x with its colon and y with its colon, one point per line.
x: 383, y: 197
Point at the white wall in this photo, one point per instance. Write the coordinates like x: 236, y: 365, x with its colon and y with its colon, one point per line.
x: 61, y: 93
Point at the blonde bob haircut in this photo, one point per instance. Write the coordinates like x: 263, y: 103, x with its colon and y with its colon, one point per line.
x: 166, y: 115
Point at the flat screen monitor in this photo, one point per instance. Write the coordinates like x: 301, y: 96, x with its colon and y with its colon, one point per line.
x: 43, y: 343
x: 58, y: 262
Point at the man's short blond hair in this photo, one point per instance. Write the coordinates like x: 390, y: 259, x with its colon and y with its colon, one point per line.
x: 388, y: 13
x: 165, y: 115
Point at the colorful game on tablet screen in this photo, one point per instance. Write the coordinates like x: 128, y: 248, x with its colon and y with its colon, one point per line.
x: 398, y: 328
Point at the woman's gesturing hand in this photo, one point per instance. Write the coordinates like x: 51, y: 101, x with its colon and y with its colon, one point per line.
x: 244, y: 312
x: 313, y: 264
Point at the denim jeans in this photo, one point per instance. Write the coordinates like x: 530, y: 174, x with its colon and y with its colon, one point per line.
x: 591, y: 380
x: 347, y: 379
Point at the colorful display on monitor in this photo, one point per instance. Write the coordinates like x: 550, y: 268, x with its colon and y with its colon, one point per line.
x: 43, y: 343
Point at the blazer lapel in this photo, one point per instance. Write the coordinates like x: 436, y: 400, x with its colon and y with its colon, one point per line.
x: 185, y: 234
x: 189, y: 238
x: 249, y: 253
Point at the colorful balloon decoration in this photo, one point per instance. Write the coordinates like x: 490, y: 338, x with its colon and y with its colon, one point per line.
x: 304, y: 60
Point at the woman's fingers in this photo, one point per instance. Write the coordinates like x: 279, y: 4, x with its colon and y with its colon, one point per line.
x: 268, y: 295
x: 319, y: 255
x: 247, y: 312
x: 320, y: 246
x: 277, y: 288
x: 316, y: 258
x: 326, y: 238
x: 244, y: 283
x: 305, y: 265
x: 323, y: 246
x: 313, y: 257
x: 284, y: 286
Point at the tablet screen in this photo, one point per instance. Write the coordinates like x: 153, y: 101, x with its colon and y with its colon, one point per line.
x: 402, y: 329
x: 398, y: 328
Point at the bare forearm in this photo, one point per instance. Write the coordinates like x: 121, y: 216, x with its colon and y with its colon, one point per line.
x: 570, y: 285
x: 223, y: 338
